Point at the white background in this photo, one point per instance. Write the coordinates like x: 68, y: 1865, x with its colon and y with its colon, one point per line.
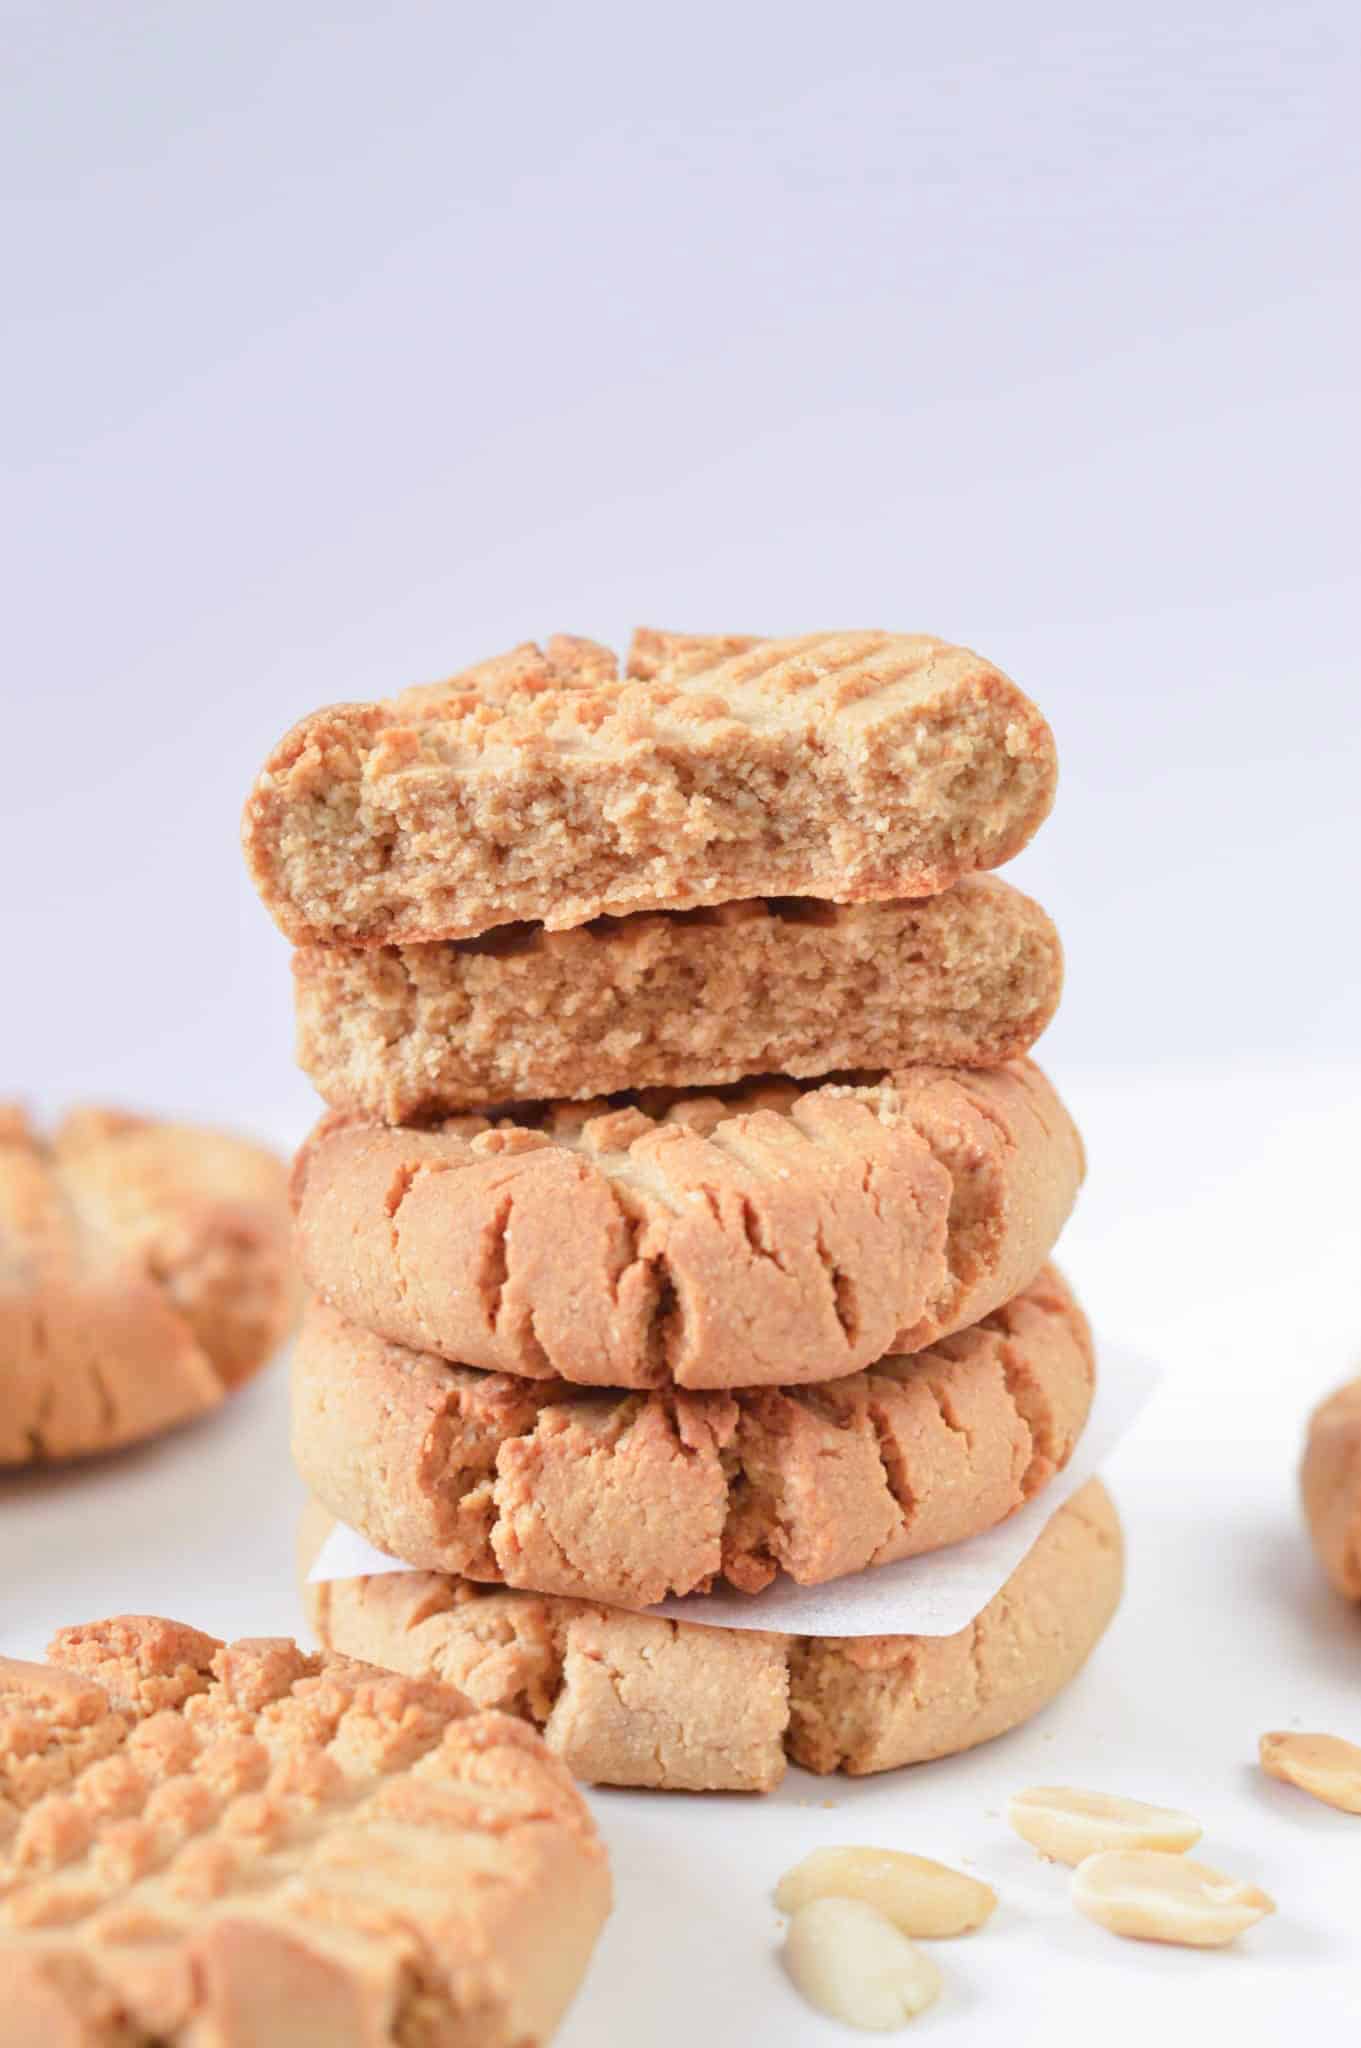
x: 344, y: 346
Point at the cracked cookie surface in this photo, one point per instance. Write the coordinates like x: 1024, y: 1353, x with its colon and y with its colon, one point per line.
x: 627, y: 1498
x: 777, y: 1234
x: 542, y: 787
x: 249, y: 1844
x: 145, y: 1272
x: 693, y: 999
x: 1330, y: 1484
x: 630, y: 1699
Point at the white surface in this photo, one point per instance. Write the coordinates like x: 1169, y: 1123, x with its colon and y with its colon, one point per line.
x: 935, y: 1595
x: 1220, y: 1229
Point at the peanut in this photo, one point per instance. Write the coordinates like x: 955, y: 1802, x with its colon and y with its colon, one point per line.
x: 1324, y: 1766
x: 1066, y: 1825
x: 854, y: 1965
x: 919, y: 1896
x: 1150, y: 1895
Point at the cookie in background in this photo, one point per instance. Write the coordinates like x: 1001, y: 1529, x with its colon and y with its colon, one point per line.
x: 146, y: 1272
x: 1330, y: 1483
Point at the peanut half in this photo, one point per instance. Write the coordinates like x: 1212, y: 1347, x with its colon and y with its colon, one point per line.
x: 854, y: 1965
x: 1067, y: 1825
x: 1152, y: 1896
x: 920, y: 1897
x: 1324, y: 1766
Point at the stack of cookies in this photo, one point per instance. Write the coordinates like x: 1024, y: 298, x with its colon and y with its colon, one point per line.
x: 683, y: 1211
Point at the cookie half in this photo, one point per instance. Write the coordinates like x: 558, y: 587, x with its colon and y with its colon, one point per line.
x: 1330, y: 1482
x: 630, y: 1497
x: 542, y: 788
x: 627, y: 1699
x: 698, y: 998
x: 776, y: 1235
x: 245, y: 1844
x: 145, y: 1272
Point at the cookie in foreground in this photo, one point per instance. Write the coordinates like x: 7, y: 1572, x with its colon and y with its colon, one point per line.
x: 774, y: 1235
x: 147, y: 1273
x: 542, y: 787
x: 1330, y: 1483
x: 629, y: 1497
x: 690, y: 999
x: 629, y: 1699
x: 247, y: 1844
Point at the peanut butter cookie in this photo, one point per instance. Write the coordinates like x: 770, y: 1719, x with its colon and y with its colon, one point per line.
x: 688, y: 999
x: 629, y: 1699
x: 250, y: 1845
x: 1330, y: 1481
x: 630, y: 1497
x: 777, y: 1235
x: 145, y: 1272
x: 542, y: 788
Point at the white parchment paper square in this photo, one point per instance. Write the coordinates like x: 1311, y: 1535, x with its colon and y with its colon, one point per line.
x: 936, y: 1595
